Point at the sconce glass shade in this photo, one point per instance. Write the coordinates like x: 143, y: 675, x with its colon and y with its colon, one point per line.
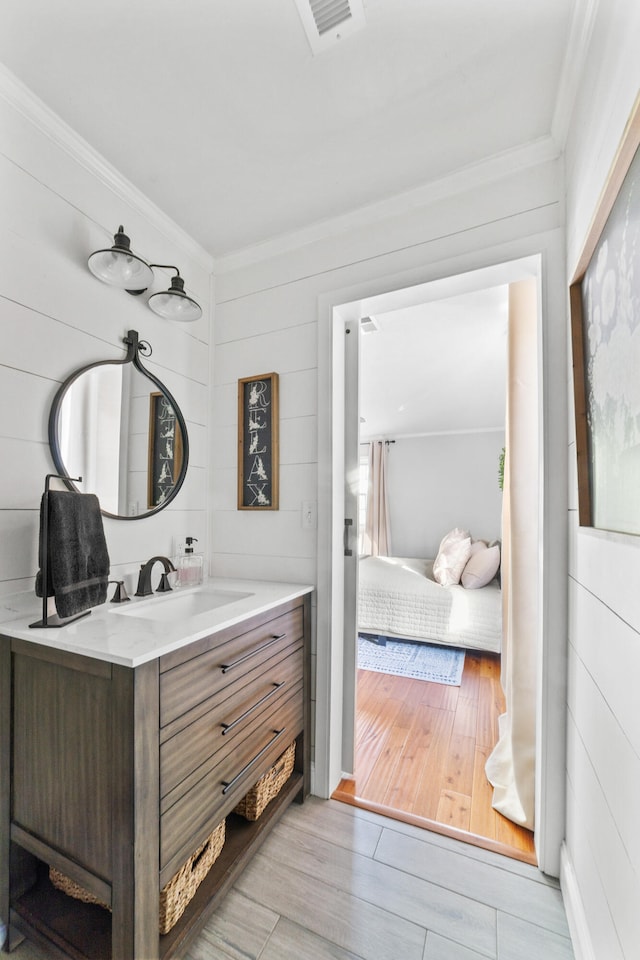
x: 174, y: 304
x: 120, y: 267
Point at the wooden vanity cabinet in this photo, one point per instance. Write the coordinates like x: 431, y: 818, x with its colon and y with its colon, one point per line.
x: 115, y: 776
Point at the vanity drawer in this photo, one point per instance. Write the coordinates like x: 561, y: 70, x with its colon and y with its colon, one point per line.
x: 247, y: 702
x: 186, y: 823
x: 189, y: 683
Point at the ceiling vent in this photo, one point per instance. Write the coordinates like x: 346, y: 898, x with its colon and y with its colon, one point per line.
x: 326, y: 22
x: 367, y: 324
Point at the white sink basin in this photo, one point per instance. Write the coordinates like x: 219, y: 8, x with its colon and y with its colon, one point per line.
x: 179, y: 606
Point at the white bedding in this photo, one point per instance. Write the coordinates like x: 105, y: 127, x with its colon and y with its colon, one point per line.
x: 397, y: 596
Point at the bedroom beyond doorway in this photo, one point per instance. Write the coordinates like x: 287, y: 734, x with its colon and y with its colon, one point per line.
x: 439, y: 430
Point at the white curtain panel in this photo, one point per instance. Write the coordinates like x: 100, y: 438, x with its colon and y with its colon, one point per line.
x: 511, y: 765
x: 377, y: 537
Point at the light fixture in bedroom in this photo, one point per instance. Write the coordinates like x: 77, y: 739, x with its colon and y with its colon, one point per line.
x: 120, y: 267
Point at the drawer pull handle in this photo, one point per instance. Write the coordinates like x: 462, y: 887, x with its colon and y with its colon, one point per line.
x: 225, y: 667
x: 243, y: 716
x: 229, y: 784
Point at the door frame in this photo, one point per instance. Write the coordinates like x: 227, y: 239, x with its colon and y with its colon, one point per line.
x: 544, y: 255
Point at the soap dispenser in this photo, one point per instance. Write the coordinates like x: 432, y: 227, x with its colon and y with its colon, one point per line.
x: 190, y: 565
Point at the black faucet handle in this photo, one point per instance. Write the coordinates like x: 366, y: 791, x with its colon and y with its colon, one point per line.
x: 164, y: 586
x: 144, y: 581
x: 120, y: 593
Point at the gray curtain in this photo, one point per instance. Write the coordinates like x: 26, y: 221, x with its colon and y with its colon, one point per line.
x: 377, y: 538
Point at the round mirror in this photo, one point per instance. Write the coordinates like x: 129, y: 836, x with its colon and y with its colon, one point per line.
x: 114, y: 424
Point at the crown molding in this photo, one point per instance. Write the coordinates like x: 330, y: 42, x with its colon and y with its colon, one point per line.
x: 22, y: 99
x: 534, y: 153
x: 575, y: 57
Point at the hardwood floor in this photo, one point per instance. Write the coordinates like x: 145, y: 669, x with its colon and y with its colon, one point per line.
x: 333, y: 882
x: 421, y: 748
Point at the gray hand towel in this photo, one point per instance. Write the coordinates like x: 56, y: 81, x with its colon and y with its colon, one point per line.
x: 78, y: 560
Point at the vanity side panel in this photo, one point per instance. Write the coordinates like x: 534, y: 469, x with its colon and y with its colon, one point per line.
x: 303, y: 751
x: 5, y: 777
x: 135, y: 810
x: 61, y: 785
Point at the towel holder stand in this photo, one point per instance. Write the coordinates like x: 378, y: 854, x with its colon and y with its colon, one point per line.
x: 51, y: 620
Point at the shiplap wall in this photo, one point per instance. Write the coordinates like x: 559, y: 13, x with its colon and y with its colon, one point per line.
x: 263, y: 338
x: 267, y: 318
x: 60, y: 202
x: 602, y: 855
x: 273, y: 313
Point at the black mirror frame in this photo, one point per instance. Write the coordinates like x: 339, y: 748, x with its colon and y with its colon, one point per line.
x: 135, y: 348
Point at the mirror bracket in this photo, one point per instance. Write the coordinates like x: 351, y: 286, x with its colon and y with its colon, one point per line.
x: 135, y: 348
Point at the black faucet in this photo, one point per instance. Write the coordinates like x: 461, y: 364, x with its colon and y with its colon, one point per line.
x: 144, y: 578
x: 120, y: 593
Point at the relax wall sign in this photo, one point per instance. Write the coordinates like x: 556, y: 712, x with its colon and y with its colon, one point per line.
x: 258, y: 452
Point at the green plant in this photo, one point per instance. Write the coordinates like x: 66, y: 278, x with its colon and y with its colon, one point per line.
x: 501, y: 469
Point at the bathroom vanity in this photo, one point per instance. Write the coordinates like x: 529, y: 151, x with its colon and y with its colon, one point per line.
x: 125, y: 739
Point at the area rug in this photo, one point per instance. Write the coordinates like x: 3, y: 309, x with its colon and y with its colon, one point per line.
x: 403, y: 658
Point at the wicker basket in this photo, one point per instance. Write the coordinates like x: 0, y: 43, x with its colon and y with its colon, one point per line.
x: 72, y: 889
x: 268, y: 786
x: 176, y: 895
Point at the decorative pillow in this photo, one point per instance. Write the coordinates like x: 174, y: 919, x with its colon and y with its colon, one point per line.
x: 477, y: 545
x: 453, y: 554
x: 481, y: 568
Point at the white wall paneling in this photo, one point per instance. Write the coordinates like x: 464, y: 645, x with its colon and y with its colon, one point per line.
x: 613, y: 762
x: 283, y: 351
x: 19, y: 546
x: 259, y: 566
x: 60, y: 202
x: 436, y: 226
x: 264, y: 533
x: 606, y: 564
x: 25, y: 421
x: 602, y: 853
x: 593, y: 836
x: 474, y: 229
x: 603, y: 640
x: 38, y: 142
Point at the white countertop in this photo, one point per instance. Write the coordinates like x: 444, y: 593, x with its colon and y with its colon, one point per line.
x: 143, y: 628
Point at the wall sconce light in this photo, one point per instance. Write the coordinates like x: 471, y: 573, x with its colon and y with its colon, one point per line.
x: 120, y: 267
x: 174, y: 304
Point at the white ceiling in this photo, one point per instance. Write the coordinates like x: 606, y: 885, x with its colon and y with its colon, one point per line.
x: 218, y: 111
x: 437, y: 367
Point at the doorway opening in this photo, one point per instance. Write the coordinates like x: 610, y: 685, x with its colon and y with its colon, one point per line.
x: 415, y: 749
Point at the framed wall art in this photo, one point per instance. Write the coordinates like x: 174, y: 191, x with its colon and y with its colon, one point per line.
x: 165, y: 449
x: 605, y: 325
x: 258, y: 442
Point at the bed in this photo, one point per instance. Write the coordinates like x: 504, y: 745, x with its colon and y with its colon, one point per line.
x: 398, y: 597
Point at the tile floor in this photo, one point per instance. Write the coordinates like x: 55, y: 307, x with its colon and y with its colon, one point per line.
x: 333, y: 882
